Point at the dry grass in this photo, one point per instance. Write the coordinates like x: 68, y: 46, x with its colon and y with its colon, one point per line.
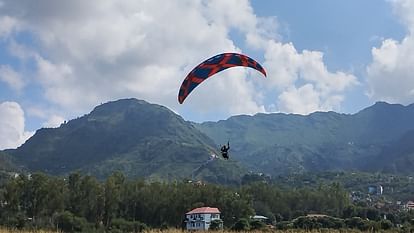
x: 277, y: 231
x: 5, y: 230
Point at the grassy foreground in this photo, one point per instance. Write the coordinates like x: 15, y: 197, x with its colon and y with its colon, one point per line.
x: 4, y: 230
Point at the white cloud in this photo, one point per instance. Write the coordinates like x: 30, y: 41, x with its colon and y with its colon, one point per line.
x: 302, y: 100
x: 54, y: 121
x: 12, y: 131
x: 7, y: 25
x: 92, y: 52
x: 404, y: 9
x: 98, y: 52
x: 232, y: 94
x: 51, y: 117
x: 303, y: 79
x: 306, y: 99
x: 389, y: 76
x: 11, y: 77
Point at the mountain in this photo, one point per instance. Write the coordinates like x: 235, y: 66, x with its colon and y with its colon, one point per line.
x: 285, y: 143
x: 8, y: 167
x: 148, y: 140
x: 7, y: 164
x: 396, y: 158
x: 130, y: 135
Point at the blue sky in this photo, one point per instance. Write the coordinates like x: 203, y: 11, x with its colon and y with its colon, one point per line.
x: 345, y: 31
x: 60, y: 59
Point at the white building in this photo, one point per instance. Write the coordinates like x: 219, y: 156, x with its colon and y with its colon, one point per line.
x: 409, y: 205
x: 260, y: 218
x: 200, y: 218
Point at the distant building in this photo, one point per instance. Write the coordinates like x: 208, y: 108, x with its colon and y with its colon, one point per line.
x: 261, y: 218
x: 200, y: 218
x: 375, y: 189
x: 409, y: 205
x: 356, y: 196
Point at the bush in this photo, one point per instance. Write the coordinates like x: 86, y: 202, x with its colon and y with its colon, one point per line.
x: 14, y: 221
x: 310, y: 223
x: 386, y: 224
x: 284, y: 225
x: 306, y: 223
x: 330, y: 222
x: 216, y: 224
x: 68, y: 222
x: 241, y: 225
x: 257, y: 225
x: 354, y: 222
x: 123, y: 225
x: 361, y: 224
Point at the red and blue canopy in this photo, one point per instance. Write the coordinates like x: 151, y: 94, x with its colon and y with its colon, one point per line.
x: 212, y: 66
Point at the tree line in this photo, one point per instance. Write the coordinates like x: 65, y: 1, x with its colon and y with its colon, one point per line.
x: 81, y: 202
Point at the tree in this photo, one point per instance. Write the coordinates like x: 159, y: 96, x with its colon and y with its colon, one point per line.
x: 38, y: 194
x: 113, y: 187
x: 13, y: 194
x: 241, y: 225
x: 92, y: 199
x: 68, y: 222
x: 216, y: 224
x: 373, y: 214
x: 257, y: 225
x: 349, y: 211
x: 75, y: 193
x: 386, y: 224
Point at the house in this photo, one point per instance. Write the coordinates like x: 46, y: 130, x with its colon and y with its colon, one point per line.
x: 375, y: 189
x: 409, y: 206
x: 200, y: 218
x: 261, y: 218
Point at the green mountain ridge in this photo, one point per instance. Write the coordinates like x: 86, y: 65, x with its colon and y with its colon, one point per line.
x: 399, y: 156
x: 150, y: 141
x: 129, y: 135
x: 279, y: 143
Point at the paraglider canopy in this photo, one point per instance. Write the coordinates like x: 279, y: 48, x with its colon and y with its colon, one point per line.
x: 212, y: 66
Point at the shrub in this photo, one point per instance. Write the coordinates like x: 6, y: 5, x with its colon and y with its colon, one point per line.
x: 68, y: 222
x: 241, y: 225
x: 216, y: 224
x: 127, y: 226
x: 257, y: 225
x: 386, y: 224
x: 284, y: 225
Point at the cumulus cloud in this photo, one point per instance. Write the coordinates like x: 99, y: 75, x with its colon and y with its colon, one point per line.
x: 50, y: 117
x: 54, y: 121
x: 389, y: 76
x: 404, y: 9
x: 7, y: 25
x: 11, y: 77
x: 91, y: 52
x: 303, y: 79
x: 12, y: 130
x: 101, y: 51
x: 306, y: 99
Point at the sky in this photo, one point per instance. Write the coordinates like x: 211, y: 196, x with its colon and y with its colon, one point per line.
x: 60, y: 59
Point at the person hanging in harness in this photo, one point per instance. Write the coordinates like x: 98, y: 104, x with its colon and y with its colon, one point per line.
x: 224, y: 151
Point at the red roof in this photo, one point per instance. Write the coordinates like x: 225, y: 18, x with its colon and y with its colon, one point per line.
x: 204, y: 210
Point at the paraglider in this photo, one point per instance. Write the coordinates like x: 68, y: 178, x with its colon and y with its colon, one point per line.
x: 224, y: 150
x: 212, y: 66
